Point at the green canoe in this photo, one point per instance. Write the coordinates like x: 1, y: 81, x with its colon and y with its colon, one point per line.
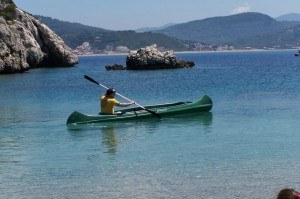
x: 204, y: 104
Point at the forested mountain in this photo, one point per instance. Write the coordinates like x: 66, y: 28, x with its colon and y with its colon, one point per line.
x: 287, y: 38
x: 65, y: 28
x: 149, y: 29
x: 253, y: 30
x: 74, y: 34
x: 289, y: 17
x: 220, y: 30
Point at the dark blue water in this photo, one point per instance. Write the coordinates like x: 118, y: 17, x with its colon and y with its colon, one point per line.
x: 247, y: 147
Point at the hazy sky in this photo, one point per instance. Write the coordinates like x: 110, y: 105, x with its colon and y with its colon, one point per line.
x: 134, y: 14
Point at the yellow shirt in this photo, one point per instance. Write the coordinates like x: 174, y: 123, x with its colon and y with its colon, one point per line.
x: 107, y: 105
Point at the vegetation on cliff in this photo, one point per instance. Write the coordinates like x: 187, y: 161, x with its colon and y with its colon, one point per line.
x: 8, y: 9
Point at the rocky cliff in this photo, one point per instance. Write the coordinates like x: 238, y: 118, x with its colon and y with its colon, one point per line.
x: 26, y: 43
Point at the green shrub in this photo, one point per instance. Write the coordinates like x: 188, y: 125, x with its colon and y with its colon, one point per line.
x: 9, y: 12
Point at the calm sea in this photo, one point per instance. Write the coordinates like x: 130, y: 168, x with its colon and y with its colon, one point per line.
x: 247, y: 147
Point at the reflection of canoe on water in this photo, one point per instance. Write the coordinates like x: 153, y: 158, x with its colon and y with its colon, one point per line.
x: 204, y: 104
x: 296, y: 54
x: 204, y: 118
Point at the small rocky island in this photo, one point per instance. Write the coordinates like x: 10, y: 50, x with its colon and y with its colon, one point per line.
x: 150, y: 58
x: 26, y: 43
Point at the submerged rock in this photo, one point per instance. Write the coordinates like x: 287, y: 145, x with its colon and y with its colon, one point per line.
x: 151, y: 58
x: 115, y: 67
x: 26, y: 43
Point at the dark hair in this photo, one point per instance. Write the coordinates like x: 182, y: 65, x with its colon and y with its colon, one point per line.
x: 110, y: 91
x: 286, y: 194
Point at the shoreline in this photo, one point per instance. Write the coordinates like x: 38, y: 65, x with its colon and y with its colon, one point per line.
x: 190, y: 52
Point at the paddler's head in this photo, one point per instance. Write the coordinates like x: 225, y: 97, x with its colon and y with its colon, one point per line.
x: 110, y: 92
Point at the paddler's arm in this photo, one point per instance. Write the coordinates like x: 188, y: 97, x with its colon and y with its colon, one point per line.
x: 126, y: 104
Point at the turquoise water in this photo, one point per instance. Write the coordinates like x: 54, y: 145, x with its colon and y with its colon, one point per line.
x: 246, y: 147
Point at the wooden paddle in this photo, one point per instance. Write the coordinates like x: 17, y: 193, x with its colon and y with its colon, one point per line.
x: 95, y: 82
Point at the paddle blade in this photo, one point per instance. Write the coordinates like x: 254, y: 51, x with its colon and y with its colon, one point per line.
x: 91, y: 79
x: 153, y: 113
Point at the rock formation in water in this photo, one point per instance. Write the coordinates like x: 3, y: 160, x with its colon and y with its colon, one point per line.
x: 151, y: 58
x: 26, y: 43
x: 115, y: 67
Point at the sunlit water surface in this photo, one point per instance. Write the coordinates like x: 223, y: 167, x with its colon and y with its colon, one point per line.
x: 246, y: 147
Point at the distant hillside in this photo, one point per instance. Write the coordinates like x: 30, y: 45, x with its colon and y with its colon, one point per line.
x: 149, y: 29
x: 227, y: 29
x: 287, y: 38
x: 253, y: 30
x: 289, y: 17
x: 65, y: 28
x: 74, y: 34
x: 130, y: 39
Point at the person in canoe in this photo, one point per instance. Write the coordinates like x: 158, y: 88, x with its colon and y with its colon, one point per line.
x: 108, y: 102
